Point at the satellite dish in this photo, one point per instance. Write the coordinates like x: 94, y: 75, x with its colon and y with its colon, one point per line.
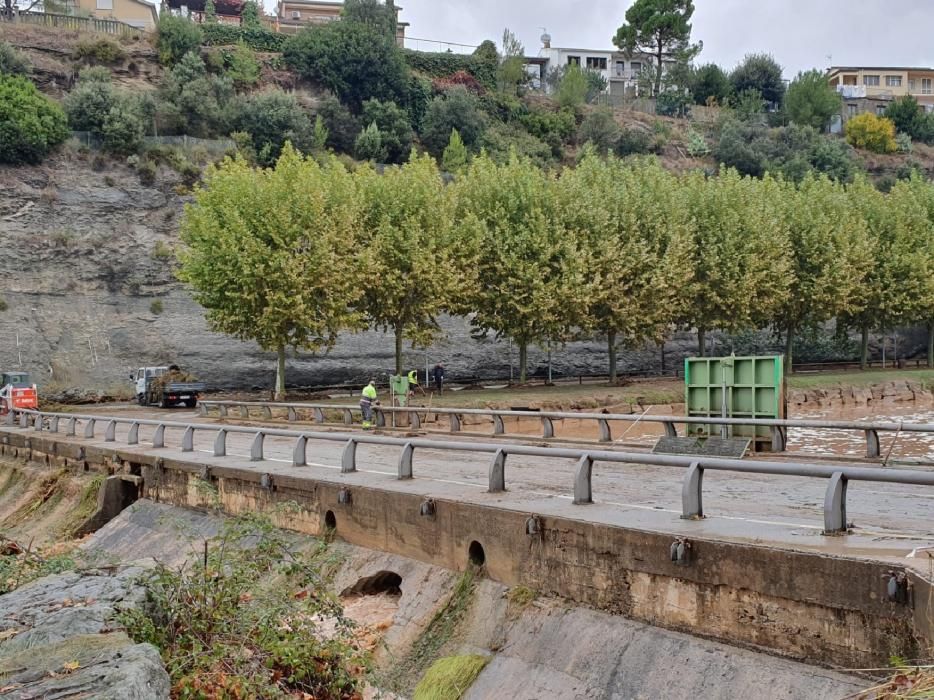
x: 546, y: 38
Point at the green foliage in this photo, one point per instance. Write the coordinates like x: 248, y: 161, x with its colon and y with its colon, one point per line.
x: 596, y: 83
x: 242, y: 67
x: 13, y: 62
x: 175, y: 37
x: 760, y: 72
x: 101, y: 50
x: 482, y: 64
x: 871, y: 133
x: 258, y: 38
x: 272, y: 119
x: 193, y: 102
x: 449, y: 678
x: 748, y: 105
x: 319, y: 135
x: 600, y: 129
x: 634, y: 141
x: 512, y: 67
x: 125, y: 126
x: 210, y: 12
x: 456, y: 109
x: 224, y: 630
x: 370, y: 146
x: 394, y: 126
x: 811, y: 101
x: 3, y: 305
x: 911, y: 119
x: 30, y: 123
x: 357, y: 62
x: 661, y: 28
x: 697, y: 146
x: 91, y: 100
x: 342, y: 126
x: 455, y: 155
x: 903, y: 141
x: 572, y: 90
x: 502, y: 141
x: 249, y: 15
x: 673, y: 103
x: 155, y: 307
x: 376, y: 14
x: 24, y: 565
x: 711, y: 85
x: 554, y: 128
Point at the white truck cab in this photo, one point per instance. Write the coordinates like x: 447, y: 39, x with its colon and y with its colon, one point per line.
x: 144, y: 375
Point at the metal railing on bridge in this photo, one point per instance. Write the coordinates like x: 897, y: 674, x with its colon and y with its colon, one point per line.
x: 835, y: 520
x: 417, y: 417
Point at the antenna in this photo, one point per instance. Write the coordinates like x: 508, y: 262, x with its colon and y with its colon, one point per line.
x: 546, y: 38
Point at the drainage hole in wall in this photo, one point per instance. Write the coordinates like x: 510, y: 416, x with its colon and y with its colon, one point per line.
x: 330, y: 522
x: 476, y: 554
x: 388, y: 582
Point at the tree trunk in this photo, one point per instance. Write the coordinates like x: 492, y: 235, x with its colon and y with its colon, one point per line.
x: 789, y: 345
x: 611, y: 346
x: 661, y: 350
x: 931, y: 344
x: 523, y: 360
x: 864, y: 348
x: 702, y: 342
x: 658, y: 71
x: 399, y: 332
x: 280, y: 373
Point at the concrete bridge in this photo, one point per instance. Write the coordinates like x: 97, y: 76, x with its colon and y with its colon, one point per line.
x: 757, y: 571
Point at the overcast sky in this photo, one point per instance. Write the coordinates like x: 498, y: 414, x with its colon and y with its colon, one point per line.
x: 801, y: 34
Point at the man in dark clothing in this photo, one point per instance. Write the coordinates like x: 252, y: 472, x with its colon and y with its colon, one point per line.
x: 438, y: 375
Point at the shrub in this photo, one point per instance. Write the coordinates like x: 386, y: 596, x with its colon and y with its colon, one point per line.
x: 696, y: 144
x: 124, y: 127
x: 175, y: 37
x: 89, y: 103
x: 30, y: 123
x: 834, y: 158
x: 342, y: 126
x: 903, y: 141
x: 193, y: 102
x: 596, y: 83
x: 155, y: 307
x: 257, y: 38
x: 811, y: 100
x: 394, y: 127
x: 13, y: 62
x: 871, y: 133
x: 735, y: 151
x: 711, y: 85
x: 272, y: 118
x: 548, y: 125
x: 456, y: 109
x: 462, y: 78
x: 455, y: 154
x: 501, y: 140
x: 673, y: 103
x: 146, y: 171
x: 3, y: 305
x: 370, y: 146
x: 759, y: 72
x: 600, y: 129
x: 102, y: 50
x: 483, y: 64
x: 572, y: 88
x: 634, y: 142
x: 910, y: 118
x: 242, y: 66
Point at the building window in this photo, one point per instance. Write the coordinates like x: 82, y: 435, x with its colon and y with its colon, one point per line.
x: 596, y: 63
x: 871, y: 80
x: 105, y: 4
x: 893, y: 81
x: 574, y: 60
x: 296, y: 14
x: 635, y: 67
x: 852, y: 110
x: 880, y: 110
x: 620, y: 68
x: 926, y: 86
x: 912, y: 85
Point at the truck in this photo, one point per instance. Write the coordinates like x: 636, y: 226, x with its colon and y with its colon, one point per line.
x: 166, y: 387
x: 17, y: 391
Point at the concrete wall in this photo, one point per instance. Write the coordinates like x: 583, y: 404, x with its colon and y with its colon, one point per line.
x: 822, y: 609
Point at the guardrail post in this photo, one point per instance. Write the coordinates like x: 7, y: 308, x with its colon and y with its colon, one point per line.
x: 498, y: 427
x: 222, y: 410
x: 23, y: 420
x: 244, y: 411
x: 548, y: 427
x: 299, y: 456
x: 132, y: 436
x: 202, y: 409
x: 583, y: 492
x: 835, y: 506
x: 70, y: 428
x: 606, y: 435
x: 415, y: 422
x: 779, y: 438
x: 188, y: 440
x: 455, y: 423
x: 110, y: 433
x: 498, y: 472
x: 349, y: 457
x: 348, y: 417
x: 267, y: 413
x: 873, y: 449
x: 220, y: 443
x: 319, y: 416
x: 405, y: 461
x: 89, y: 428
x: 158, y: 438
x: 380, y: 418
x: 9, y: 419
x: 292, y: 417
x: 692, y: 504
x: 37, y: 425
x: 53, y: 424
x: 670, y: 429
x: 256, y: 449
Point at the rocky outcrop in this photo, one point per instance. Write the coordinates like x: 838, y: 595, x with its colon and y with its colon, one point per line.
x: 58, y: 640
x: 884, y: 393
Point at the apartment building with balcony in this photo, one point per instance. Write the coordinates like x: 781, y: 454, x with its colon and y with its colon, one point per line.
x: 294, y: 15
x: 871, y: 89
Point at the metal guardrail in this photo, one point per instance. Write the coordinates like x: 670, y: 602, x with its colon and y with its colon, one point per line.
x: 778, y: 427
x: 835, y: 521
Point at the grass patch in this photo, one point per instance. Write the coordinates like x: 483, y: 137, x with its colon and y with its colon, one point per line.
x: 521, y: 597
x: 49, y: 493
x: 427, y: 647
x: 449, y: 678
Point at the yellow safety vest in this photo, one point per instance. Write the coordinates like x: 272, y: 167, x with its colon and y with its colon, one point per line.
x: 369, y: 392
x: 413, y: 377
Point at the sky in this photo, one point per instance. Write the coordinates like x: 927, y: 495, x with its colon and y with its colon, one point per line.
x: 800, y: 34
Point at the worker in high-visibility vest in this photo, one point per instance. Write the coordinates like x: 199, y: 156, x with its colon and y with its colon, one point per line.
x: 367, y: 401
x: 413, y: 383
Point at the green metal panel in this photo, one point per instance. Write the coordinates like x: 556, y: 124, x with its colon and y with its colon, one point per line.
x: 754, y: 389
x: 399, y: 387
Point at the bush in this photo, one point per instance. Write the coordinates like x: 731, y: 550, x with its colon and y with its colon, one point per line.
x: 193, y: 102
x: 124, y: 128
x: 871, y: 133
x: 711, y: 85
x: 673, y: 103
x: 501, y: 140
x: 759, y: 72
x: 734, y: 150
x: 572, y: 88
x: 89, y: 103
x: 272, y: 118
x: 155, y: 308
x: 30, y: 123
x: 482, y: 65
x: 257, y: 38
x: 3, y: 304
x: 103, y: 50
x: 456, y: 109
x: 596, y: 84
x: 634, y: 142
x: 600, y: 129
x: 455, y: 155
x: 370, y: 146
x: 394, y: 127
x: 554, y: 128
x: 696, y: 144
x: 13, y: 62
x: 175, y: 37
x: 342, y: 126
x: 146, y: 171
x: 909, y: 118
x: 903, y: 141
x: 462, y: 78
x: 242, y: 66
x: 357, y: 62
x: 811, y: 101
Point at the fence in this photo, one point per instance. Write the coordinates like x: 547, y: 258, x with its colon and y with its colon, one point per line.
x: 835, y: 520
x: 88, y: 24
x: 778, y: 427
x: 213, y: 146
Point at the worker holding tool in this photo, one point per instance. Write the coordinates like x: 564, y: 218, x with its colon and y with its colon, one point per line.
x: 413, y: 383
x: 367, y: 400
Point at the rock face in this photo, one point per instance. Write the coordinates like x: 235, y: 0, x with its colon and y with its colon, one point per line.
x: 58, y: 640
